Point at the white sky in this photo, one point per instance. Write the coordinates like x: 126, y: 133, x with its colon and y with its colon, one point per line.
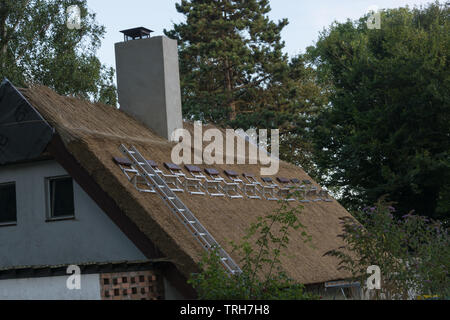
x: 306, y: 18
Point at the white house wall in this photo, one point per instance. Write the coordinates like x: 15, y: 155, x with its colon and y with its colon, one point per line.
x: 50, y: 288
x: 90, y: 237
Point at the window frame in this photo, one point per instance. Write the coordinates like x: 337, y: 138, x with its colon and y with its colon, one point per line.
x: 48, y: 202
x: 10, y: 223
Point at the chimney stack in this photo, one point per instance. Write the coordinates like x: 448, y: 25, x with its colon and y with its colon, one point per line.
x: 148, y: 80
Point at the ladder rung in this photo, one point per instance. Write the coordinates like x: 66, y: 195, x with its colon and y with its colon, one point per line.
x: 217, y: 195
x: 146, y: 190
x: 197, y: 193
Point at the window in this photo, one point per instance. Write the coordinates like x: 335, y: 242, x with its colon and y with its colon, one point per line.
x: 60, y: 200
x: 8, y: 213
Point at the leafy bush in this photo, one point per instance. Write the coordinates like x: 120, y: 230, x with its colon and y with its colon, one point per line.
x: 413, y: 252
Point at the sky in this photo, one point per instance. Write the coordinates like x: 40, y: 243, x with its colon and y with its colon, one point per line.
x: 306, y: 18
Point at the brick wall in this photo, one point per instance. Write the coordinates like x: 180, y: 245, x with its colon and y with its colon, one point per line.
x: 138, y: 285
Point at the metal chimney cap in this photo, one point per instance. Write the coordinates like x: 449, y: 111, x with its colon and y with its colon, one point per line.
x: 136, y: 33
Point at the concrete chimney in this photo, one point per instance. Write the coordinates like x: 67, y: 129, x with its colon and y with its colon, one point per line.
x: 148, y: 80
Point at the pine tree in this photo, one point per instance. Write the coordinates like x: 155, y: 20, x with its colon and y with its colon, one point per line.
x: 230, y: 57
x: 234, y: 72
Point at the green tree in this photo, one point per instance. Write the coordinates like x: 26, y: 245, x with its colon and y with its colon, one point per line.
x: 262, y: 277
x: 36, y: 46
x: 230, y: 54
x: 234, y: 72
x: 386, y: 129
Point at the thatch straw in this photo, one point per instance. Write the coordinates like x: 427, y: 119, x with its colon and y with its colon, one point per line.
x: 93, y: 133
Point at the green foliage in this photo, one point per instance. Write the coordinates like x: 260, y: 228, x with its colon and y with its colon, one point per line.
x: 229, y: 51
x: 234, y: 73
x: 36, y: 46
x: 387, y: 127
x: 413, y: 253
x: 262, y: 277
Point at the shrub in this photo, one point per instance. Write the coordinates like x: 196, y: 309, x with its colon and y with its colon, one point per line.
x: 413, y: 252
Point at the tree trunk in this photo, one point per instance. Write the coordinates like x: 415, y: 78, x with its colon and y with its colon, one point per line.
x: 3, y: 35
x: 229, y: 90
x: 4, y: 49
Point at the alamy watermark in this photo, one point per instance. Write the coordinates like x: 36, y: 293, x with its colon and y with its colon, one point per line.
x: 374, y: 281
x: 73, y: 17
x: 374, y: 20
x: 230, y: 148
x: 74, y: 280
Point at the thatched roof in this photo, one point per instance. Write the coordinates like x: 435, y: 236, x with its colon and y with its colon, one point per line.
x: 92, y: 133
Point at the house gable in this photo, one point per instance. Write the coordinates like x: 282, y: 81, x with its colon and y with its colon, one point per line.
x: 90, y: 236
x: 37, y: 142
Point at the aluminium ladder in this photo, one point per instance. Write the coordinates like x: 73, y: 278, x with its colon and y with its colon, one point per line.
x: 177, y: 207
